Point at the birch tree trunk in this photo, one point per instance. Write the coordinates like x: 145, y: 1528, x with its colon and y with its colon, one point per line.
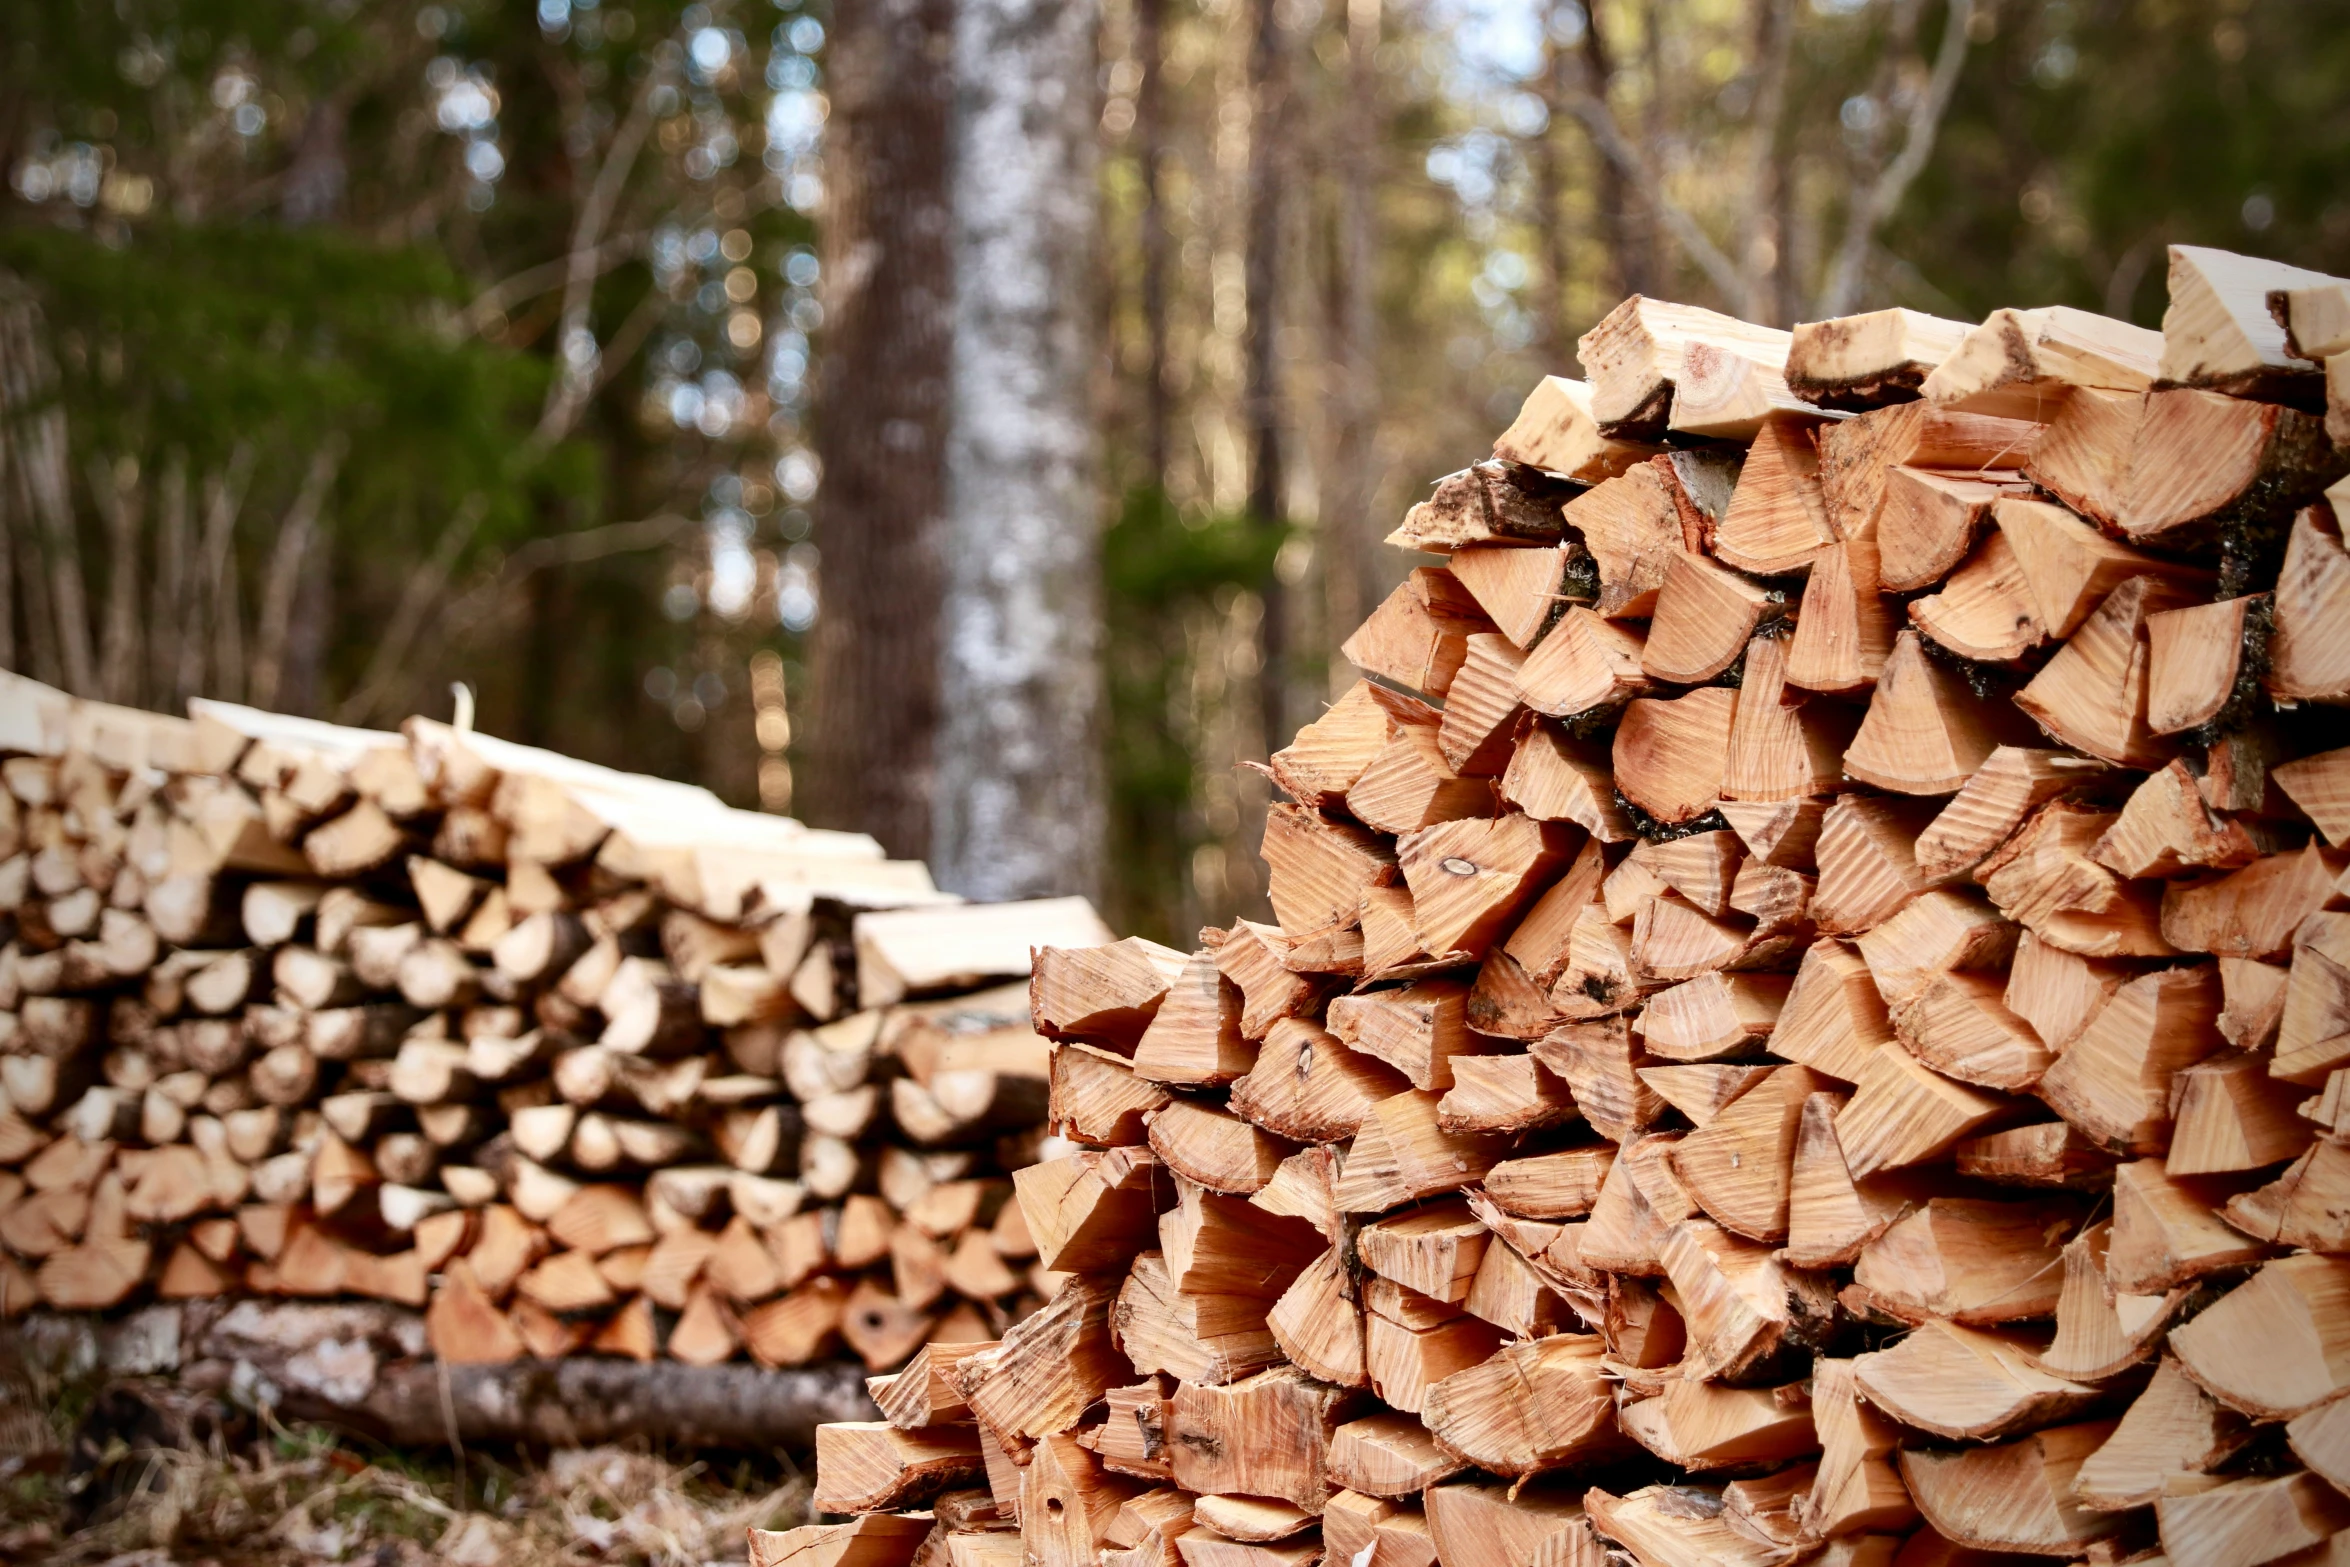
x: 1268, y: 79
x: 881, y: 435
x: 1019, y: 808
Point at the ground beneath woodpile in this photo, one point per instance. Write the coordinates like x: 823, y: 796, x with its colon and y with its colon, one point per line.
x: 138, y: 1474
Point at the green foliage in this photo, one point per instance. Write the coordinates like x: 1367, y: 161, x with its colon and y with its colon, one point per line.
x: 1161, y: 567
x: 204, y: 339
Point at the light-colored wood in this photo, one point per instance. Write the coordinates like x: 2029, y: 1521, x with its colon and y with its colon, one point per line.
x: 1419, y: 635
x: 1777, y: 520
x: 1864, y: 361
x: 1485, y: 503
x: 1556, y: 431
x: 2222, y: 330
x: 2020, y: 364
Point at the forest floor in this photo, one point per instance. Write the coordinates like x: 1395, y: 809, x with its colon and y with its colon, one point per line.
x: 96, y: 1474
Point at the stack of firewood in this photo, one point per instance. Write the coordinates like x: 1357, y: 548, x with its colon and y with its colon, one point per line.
x: 577, y: 1060
x: 1808, y: 1018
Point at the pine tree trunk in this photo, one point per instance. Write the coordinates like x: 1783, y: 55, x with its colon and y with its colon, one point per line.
x: 1019, y: 809
x: 1150, y: 129
x: 1268, y: 80
x: 1347, y: 565
x: 888, y: 291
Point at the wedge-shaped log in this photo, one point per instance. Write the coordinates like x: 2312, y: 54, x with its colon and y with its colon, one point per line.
x: 1967, y: 1384
x: 1267, y: 1435
x: 2014, y: 1497
x: 1533, y: 1406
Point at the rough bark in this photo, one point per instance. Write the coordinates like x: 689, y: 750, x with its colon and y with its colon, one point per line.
x: 583, y: 1400
x: 1268, y: 89
x: 1019, y: 809
x: 882, y: 434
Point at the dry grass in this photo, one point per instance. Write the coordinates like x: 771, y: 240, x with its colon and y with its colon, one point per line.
x: 74, y: 1495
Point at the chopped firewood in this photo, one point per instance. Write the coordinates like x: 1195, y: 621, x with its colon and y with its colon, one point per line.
x: 1703, y: 617
x: 1844, y: 631
x: 1320, y: 868
x: 1479, y: 1523
x: 1634, y: 527
x: 2267, y: 1347
x: 1967, y: 1384
x: 1319, y: 1323
x: 2016, y: 1497
x: 1195, y: 1037
x: 1481, y: 708
x: 1736, y: 1167
x: 1532, y: 1406
x: 1219, y: 1151
x: 1743, y: 1306
x: 1514, y: 1093
x: 2308, y: 655
x: 1387, y: 1455
x: 1469, y: 879
x: 867, y: 1466
x: 1925, y: 732
x: 1782, y: 745
x: 1373, y: 1529
x: 1255, y: 958
x: 1670, y: 756
x: 2021, y: 363
x: 2047, y: 1153
x: 1520, y: 590
x: 1903, y: 1113
x: 2232, y: 1115
x: 1829, y: 1215
x: 1726, y: 393
x: 1403, y: 1153
x: 1929, y: 942
x: 2222, y: 331
x: 1509, y: 1293
x: 2166, y: 1232
x: 1778, y: 518
x: 2172, y: 1428
x: 464, y: 1326
x: 1701, y: 1092
x: 2201, y: 463
x: 1557, y: 432
x: 1639, y: 1202
x: 1049, y: 1368
x: 2045, y: 879
x: 2306, y: 1206
x: 1434, y: 1251
x: 2114, y: 1081
x: 1097, y: 1098
x: 1997, y: 799
x: 1600, y: 1064
x: 791, y: 1330
x: 1867, y: 862
x: 1485, y: 503
x: 1419, y: 636
x: 1267, y: 1435
x: 874, y: 1540
x: 1676, y: 1526
x: 1585, y: 665
x: 1090, y: 1210
x: 1866, y: 361
x: 1857, y: 1490
x: 1199, y: 1336
x: 1309, y: 1086
x: 1833, y: 1015
x: 1635, y: 356
x: 1405, y: 1359
x: 2318, y: 1437
x: 1106, y: 995
x: 1929, y: 523
x: 1704, y: 1425
x: 2209, y: 1521
x: 1968, y: 1260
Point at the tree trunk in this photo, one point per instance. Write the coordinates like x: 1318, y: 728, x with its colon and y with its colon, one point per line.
x: 1550, y: 223
x: 1620, y: 222
x: 881, y: 430
x: 1268, y: 84
x: 295, y: 536
x: 1019, y: 808
x: 1354, y: 474
x: 224, y: 497
x: 167, y: 591
x: 115, y: 487
x: 1150, y: 109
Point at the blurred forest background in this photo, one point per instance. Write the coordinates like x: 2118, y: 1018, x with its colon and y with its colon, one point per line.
x: 969, y: 420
